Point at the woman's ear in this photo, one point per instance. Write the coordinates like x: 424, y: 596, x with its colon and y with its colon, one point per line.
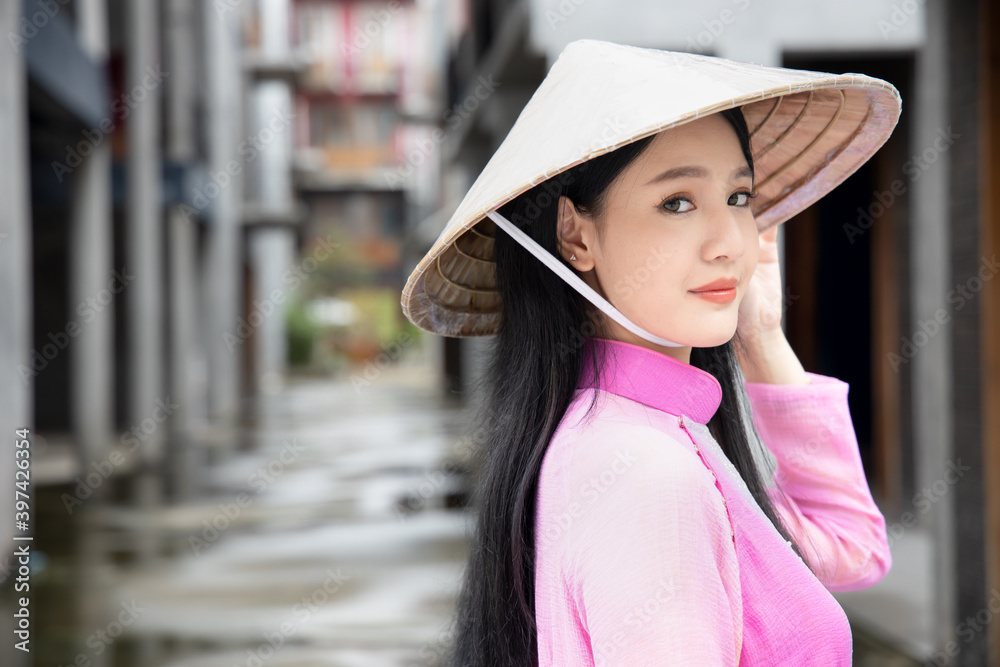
x: 574, y: 234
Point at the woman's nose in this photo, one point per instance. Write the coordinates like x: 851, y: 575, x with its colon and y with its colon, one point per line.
x: 725, y: 239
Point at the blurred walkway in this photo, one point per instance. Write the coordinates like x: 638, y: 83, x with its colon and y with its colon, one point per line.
x: 326, y: 544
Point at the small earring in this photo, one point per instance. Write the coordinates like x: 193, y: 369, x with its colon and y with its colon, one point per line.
x: 572, y: 258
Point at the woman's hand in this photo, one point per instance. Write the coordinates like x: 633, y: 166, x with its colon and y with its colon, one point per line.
x: 768, y: 357
x: 760, y: 311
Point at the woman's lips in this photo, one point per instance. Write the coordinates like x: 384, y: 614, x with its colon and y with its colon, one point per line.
x: 717, y: 295
x: 722, y: 290
x: 728, y: 282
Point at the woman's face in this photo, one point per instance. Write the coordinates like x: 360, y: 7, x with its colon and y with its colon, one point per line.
x: 675, y: 221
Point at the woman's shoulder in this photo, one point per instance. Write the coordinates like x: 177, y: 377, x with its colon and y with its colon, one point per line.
x: 597, y: 420
x: 634, y: 480
x: 619, y: 437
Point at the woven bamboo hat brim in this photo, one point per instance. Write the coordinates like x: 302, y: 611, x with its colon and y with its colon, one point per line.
x: 809, y: 132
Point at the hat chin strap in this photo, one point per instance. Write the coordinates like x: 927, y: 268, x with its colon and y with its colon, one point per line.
x: 575, y: 281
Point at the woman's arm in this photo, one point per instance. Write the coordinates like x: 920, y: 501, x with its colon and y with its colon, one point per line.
x: 803, y: 418
x: 820, y: 488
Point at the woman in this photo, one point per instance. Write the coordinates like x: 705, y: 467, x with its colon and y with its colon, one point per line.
x: 627, y: 512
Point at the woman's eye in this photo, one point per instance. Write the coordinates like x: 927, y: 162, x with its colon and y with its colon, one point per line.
x: 742, y: 198
x: 674, y: 205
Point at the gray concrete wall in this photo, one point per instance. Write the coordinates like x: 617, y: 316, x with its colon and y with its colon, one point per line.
x: 750, y: 30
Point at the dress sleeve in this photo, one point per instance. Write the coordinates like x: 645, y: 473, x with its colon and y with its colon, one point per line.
x: 651, y: 562
x: 819, y: 486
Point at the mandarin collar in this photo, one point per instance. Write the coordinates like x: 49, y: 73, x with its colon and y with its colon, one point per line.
x: 653, y: 379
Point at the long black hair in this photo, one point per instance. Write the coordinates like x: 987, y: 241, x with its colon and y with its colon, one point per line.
x: 532, y: 374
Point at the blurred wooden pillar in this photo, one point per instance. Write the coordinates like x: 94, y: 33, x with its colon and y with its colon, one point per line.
x: 990, y: 115
x: 966, y: 94
x: 931, y: 371
x: 886, y: 298
x: 799, y: 265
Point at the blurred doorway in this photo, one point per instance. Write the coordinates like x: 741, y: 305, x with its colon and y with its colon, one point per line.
x: 846, y: 267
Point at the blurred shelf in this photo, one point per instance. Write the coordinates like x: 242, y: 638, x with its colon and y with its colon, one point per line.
x: 255, y: 215
x: 262, y: 67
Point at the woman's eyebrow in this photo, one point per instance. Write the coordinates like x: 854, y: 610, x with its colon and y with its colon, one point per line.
x: 698, y: 172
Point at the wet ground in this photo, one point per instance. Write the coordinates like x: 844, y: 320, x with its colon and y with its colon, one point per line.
x: 327, y: 542
x: 333, y: 537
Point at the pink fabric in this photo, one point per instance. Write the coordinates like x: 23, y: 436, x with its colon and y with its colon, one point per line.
x: 650, y: 548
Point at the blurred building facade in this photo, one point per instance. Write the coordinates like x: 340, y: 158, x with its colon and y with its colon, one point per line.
x: 131, y: 227
x: 875, y: 272
x: 366, y: 160
x: 175, y: 174
x: 128, y: 351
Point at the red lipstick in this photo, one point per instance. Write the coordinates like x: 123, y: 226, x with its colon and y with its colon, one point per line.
x: 722, y: 290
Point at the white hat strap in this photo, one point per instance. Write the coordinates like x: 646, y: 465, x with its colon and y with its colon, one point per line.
x: 575, y: 281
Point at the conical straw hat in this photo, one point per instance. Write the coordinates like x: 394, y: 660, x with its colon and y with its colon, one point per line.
x: 809, y: 132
